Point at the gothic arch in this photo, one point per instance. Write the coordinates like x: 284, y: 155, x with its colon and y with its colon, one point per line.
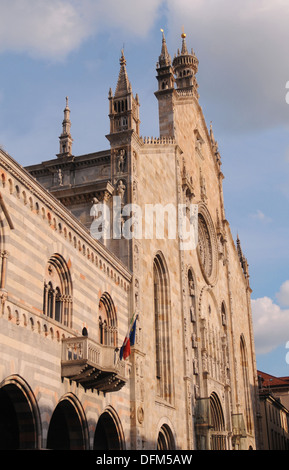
x: 109, y: 433
x: 20, y: 424
x: 166, y: 437
x: 218, y: 434
x: 68, y: 429
x: 57, y: 296
x: 107, y: 320
x: 162, y: 324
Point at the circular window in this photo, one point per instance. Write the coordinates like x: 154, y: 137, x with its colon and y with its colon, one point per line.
x: 207, y: 245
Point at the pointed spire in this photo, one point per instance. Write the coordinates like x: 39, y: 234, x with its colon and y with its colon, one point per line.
x: 184, y: 44
x: 164, y: 58
x: 212, y: 133
x: 239, y: 249
x: 123, y: 106
x: 123, y: 85
x: 242, y: 258
x: 66, y: 124
x: 65, y: 138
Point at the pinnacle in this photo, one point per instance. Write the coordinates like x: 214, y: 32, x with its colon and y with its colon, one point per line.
x: 165, y: 58
x: 123, y: 85
x: 184, y: 45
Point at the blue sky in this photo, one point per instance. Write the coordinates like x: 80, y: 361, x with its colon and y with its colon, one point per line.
x: 50, y: 50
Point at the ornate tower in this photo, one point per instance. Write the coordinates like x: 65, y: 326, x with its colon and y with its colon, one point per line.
x: 185, y: 66
x: 65, y: 139
x: 124, y: 142
x: 176, y: 81
x: 165, y: 93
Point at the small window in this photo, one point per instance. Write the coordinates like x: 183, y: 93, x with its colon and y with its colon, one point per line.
x: 57, y: 296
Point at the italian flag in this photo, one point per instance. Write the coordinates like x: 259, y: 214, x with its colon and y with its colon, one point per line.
x: 129, y: 339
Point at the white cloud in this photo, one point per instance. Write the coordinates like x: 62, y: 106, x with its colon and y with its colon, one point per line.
x: 242, y: 46
x: 283, y: 295
x: 129, y: 15
x: 52, y: 29
x: 259, y: 215
x: 271, y: 325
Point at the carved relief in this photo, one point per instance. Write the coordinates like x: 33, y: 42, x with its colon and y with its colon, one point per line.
x: 205, y: 246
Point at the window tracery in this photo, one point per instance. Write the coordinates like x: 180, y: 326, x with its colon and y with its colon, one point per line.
x: 57, y: 296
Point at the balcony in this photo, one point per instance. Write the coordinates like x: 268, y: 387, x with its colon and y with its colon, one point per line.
x: 92, y: 365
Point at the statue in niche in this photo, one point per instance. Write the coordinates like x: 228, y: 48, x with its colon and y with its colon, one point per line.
x: 60, y: 177
x: 203, y: 186
x: 94, y: 211
x: 121, y: 159
x: 191, y: 287
x: 121, y: 190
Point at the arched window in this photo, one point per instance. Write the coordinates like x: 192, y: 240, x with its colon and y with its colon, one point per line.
x: 57, y: 297
x: 246, y: 384
x: 107, y: 321
x: 164, y: 373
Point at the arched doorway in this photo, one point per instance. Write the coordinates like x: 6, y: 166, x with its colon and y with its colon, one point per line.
x: 165, y: 439
x: 107, y: 434
x: 218, y: 434
x: 67, y: 429
x: 19, y: 417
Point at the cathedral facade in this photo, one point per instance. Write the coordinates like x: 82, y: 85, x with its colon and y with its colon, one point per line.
x: 125, y: 302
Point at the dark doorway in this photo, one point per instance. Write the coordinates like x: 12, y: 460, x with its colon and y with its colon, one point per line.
x: 106, y: 434
x: 65, y: 429
x: 17, y: 424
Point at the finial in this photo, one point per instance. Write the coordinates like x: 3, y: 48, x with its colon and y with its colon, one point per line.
x: 183, y: 33
x: 122, y: 59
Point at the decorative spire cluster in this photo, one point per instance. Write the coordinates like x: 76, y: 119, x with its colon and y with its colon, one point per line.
x: 181, y: 71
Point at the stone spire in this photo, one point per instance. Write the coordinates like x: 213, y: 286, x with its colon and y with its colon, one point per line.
x: 123, y: 84
x: 65, y: 139
x: 243, y: 260
x: 123, y: 106
x: 165, y: 74
x: 164, y: 58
